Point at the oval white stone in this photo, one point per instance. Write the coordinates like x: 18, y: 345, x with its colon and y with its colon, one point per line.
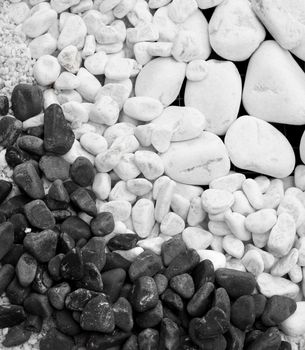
x: 295, y: 324
x: 143, y: 108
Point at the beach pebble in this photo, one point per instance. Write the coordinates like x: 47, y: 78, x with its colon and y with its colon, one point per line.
x: 196, y: 70
x: 285, y: 264
x: 291, y: 205
x: 143, y: 217
x: 46, y: 70
x: 61, y: 6
x: 180, y: 10
x: 89, y: 85
x: 232, y: 182
x: 143, y: 108
x: 267, y: 257
x: 95, y: 64
x: 66, y: 81
x: 215, y: 201
x: 273, y: 156
x: 73, y: 33
x: 166, y: 27
x: 197, y: 238
x: 39, y: 22
x: 93, y: 143
x: 295, y: 324
x: 253, y: 262
x: 70, y: 58
x: 270, y: 285
x: 233, y: 246
x: 150, y: 164
x: 261, y: 221
x: 218, y: 259
x: 104, y: 111
x: 299, y: 177
x: 265, y: 89
x: 44, y: 44
x: 236, y: 224
x: 172, y: 224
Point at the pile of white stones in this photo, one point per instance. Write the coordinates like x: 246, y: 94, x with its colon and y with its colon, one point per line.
x: 116, y: 66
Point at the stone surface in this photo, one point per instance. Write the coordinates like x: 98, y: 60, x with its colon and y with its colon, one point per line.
x: 10, y: 129
x: 123, y: 314
x: 295, y: 325
x: 144, y: 295
x: 278, y: 309
x: 201, y: 300
x: 6, y: 238
x: 145, y: 264
x: 269, y: 285
x: 11, y: 315
x: 39, y: 215
x: 243, y: 312
x: 183, y: 262
x: 55, y: 339
x: 113, y: 281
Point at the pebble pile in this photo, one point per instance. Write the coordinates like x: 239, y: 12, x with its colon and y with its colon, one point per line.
x: 123, y: 222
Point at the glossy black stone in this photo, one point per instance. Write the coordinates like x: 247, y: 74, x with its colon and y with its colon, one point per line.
x: 201, y: 300
x: 99, y: 341
x: 114, y: 261
x: 11, y: 315
x: 169, y: 335
x: 83, y: 201
x: 102, y: 224
x: 54, y: 168
x: 26, y: 269
x: 16, y: 336
x: 113, y: 281
x: 57, y: 295
x: 278, y: 309
x: 123, y: 314
x: 6, y: 238
x: 150, y: 318
x: 172, y: 300
x: 123, y: 241
x: 10, y: 130
x: 42, y: 281
x: 171, y: 248
x: 161, y: 282
x: 15, y: 156
x: 144, y: 295
x: 77, y: 300
x: 82, y: 172
x: 76, y: 228
x: 94, y: 252
x: 5, y: 189
x: 56, y: 340
x: 243, y: 312
x: 7, y: 273
x: 182, y: 263
x: 16, y: 293
x: 31, y: 144
x: 65, y: 323
x: 38, y: 304
x: 20, y: 223
x: 4, y: 105
x: 146, y: 264
x: 72, y: 265
x: 183, y: 285
x: 92, y: 278
x: 203, y: 272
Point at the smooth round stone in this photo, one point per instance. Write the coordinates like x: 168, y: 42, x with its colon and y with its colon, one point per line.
x: 93, y: 143
x: 278, y: 308
x: 11, y: 129
x: 272, y: 156
x: 46, y: 70
x: 165, y: 85
x: 26, y: 269
x: 232, y: 38
x: 6, y: 238
x: 197, y: 238
x: 295, y: 325
x: 143, y: 108
x: 243, y: 312
x: 4, y: 105
x: 73, y: 33
x: 16, y: 336
x: 82, y: 172
x: 217, y: 96
x: 198, y: 161
x: 39, y: 22
x: 43, y: 45
x: 7, y: 273
x: 302, y: 148
x: 270, y: 285
x: 274, y: 92
x: 11, y: 315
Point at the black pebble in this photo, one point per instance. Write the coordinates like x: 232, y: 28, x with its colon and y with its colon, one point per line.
x: 4, y: 105
x: 150, y: 318
x: 14, y: 205
x: 203, y: 272
x: 54, y: 340
x: 102, y: 224
x: 131, y: 343
x: 171, y: 248
x: 16, y: 293
x: 11, y: 315
x: 182, y: 263
x: 148, y: 339
x: 5, y: 189
x: 235, y: 338
x: 26, y: 269
x: 92, y: 278
x: 99, y: 341
x: 35, y: 131
x: 260, y: 303
x: 115, y: 260
x: 83, y: 201
x: 76, y: 228
x: 54, y: 168
x: 123, y: 314
x: 201, y: 300
x: 172, y: 300
x: 39, y: 215
x: 20, y: 223
x: 123, y: 241
x: 31, y: 144
x: 269, y: 340
x: 38, y: 304
x: 169, y: 335
x: 146, y: 264
x: 144, y: 295
x: 113, y: 281
x: 278, y: 309
x: 10, y: 130
x: 94, y: 252
x: 42, y: 281
x: 15, y: 156
x: 16, y: 336
x: 82, y: 172
x: 161, y: 282
x: 243, y: 312
x: 57, y: 295
x: 183, y: 285
x: 72, y: 265
x: 65, y: 323
x: 54, y: 266
x: 7, y: 273
x: 33, y: 323
x: 222, y: 300
x: 6, y: 238
x: 77, y: 300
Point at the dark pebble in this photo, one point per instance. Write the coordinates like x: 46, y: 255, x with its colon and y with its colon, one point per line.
x: 161, y: 282
x: 81, y: 243
x: 144, y: 295
x: 123, y: 314
x: 218, y: 343
x: 55, y: 340
x: 243, y: 312
x: 77, y: 300
x: 201, y: 300
x: 53, y: 204
x: 38, y: 304
x: 174, y: 316
x: 42, y: 281
x: 16, y: 293
x: 131, y: 343
x: 235, y: 338
x: 260, y: 303
x: 26, y: 269
x: 99, y: 341
x: 14, y: 205
x: 187, y: 344
x: 58, y: 135
x: 252, y: 336
x: 146, y: 264
x: 65, y: 243
x: 285, y: 346
x: 39, y: 215
x: 76, y: 228
x: 2, y: 218
x: 92, y: 278
x: 148, y: 339
x: 70, y: 185
x: 269, y: 340
x: 20, y: 223
x: 13, y: 254
x: 5, y: 189
x: 6, y: 238
x: 15, y: 156
x: 171, y: 248
x: 222, y: 300
x: 113, y: 281
x: 83, y: 201
x: 169, y: 335
x: 182, y: 263
x: 102, y: 224
x: 27, y: 178
x: 94, y: 252
x: 11, y: 315
x: 81, y: 340
x: 42, y: 245
x: 172, y: 300
x: 4, y: 105
x: 10, y: 130
x: 57, y: 295
x: 54, y: 168
x: 31, y: 144
x: 236, y: 283
x: 62, y: 214
x: 82, y: 172
x: 7, y: 273
x: 33, y: 323
x: 35, y: 131
x: 183, y: 285
x: 54, y: 266
x: 16, y: 336
x: 72, y: 265
x: 115, y: 260
x: 204, y: 272
x: 98, y: 315
x: 58, y: 192
x: 27, y: 101
x: 123, y: 241
x: 66, y: 324
x: 278, y: 309
x: 150, y: 318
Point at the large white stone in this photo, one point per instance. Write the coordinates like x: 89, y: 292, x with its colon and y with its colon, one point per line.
x: 197, y: 161
x: 217, y: 96
x: 235, y: 32
x: 256, y: 145
x: 274, y: 88
x: 302, y: 148
x: 295, y: 324
x: 162, y: 79
x: 73, y: 33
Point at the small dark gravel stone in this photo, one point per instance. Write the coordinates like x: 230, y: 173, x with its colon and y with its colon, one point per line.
x: 144, y: 295
x: 83, y: 201
x: 204, y: 272
x: 148, y: 339
x: 42, y: 245
x: 113, y: 281
x: 174, y: 316
x: 123, y: 314
x: 13, y: 255
x: 6, y: 238
x: 201, y: 300
x: 98, y: 341
x: 115, y: 260
x: 98, y: 315
x: 7, y: 273
x: 171, y: 248
x: 58, y: 135
x: 15, y: 156
x: 57, y: 295
x: 82, y: 172
x: 54, y: 168
x: 35, y: 131
x: 131, y: 343
x: 269, y: 340
x: 243, y: 312
x: 94, y: 252
x: 278, y: 309
x: 235, y: 338
x: 236, y: 283
x: 182, y: 263
x: 218, y: 343
x: 260, y: 303
x: 65, y: 323
x: 61, y: 215
x: 26, y: 269
x: 33, y: 323
x: 42, y: 281
x: 4, y: 105
x: 92, y: 278
x: 161, y: 282
x: 77, y: 300
x: 16, y: 293
x: 5, y: 189
x: 10, y: 130
x: 172, y: 300
x: 54, y: 266
x: 39, y: 215
x: 11, y: 315
x: 54, y: 340
x: 70, y: 185
x: 31, y: 144
x: 20, y: 223
x: 150, y: 318
x: 183, y: 285
x: 102, y: 224
x: 222, y: 300
x: 16, y: 336
x: 124, y: 241
x: 38, y: 304
x: 285, y: 346
x: 58, y: 192
x: 72, y: 265
x: 27, y: 101
x: 169, y: 335
x: 14, y: 205
x: 146, y: 264
x: 76, y: 228
x: 65, y: 243
x: 27, y: 178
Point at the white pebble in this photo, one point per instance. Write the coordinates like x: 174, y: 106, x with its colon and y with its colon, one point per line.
x: 120, y: 68
x: 253, y: 193
x: 67, y: 81
x: 260, y: 239
x: 130, y: 254
x: 44, y: 44
x: 294, y: 325
x: 126, y: 169
x: 49, y: 97
x: 196, y: 70
x: 291, y: 205
x: 75, y: 113
x: 120, y: 192
x: 120, y: 209
x: 261, y: 221
x: 263, y: 182
x: 215, y: 201
x: 143, y: 108
x: 73, y: 33
x: 107, y: 160
x: 154, y: 244
x: 101, y: 185
x: 216, y: 244
x: 196, y: 213
x: 89, y: 85
x: 299, y: 177
x: 233, y: 246
x: 163, y: 199
x: 180, y: 10
x: 241, y: 204
x: 39, y: 22
x: 93, y: 143
x: 295, y: 274
x: 70, y: 59
x: 219, y: 228
x: 89, y: 48
x: 236, y: 223
x: 253, y: 262
x: 105, y: 111
x: 150, y: 164
x: 270, y: 285
x: 143, y: 217
x: 197, y: 238
x: 235, y: 264
x: 274, y: 194
x: 285, y: 264
x: 139, y: 186
x: 46, y: 70
x: 96, y: 63
x: 267, y: 257
x: 172, y: 224
x: 218, y: 259
x: 180, y: 205
x: 300, y: 245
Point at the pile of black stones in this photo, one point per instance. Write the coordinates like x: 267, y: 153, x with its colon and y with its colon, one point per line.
x: 55, y: 265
